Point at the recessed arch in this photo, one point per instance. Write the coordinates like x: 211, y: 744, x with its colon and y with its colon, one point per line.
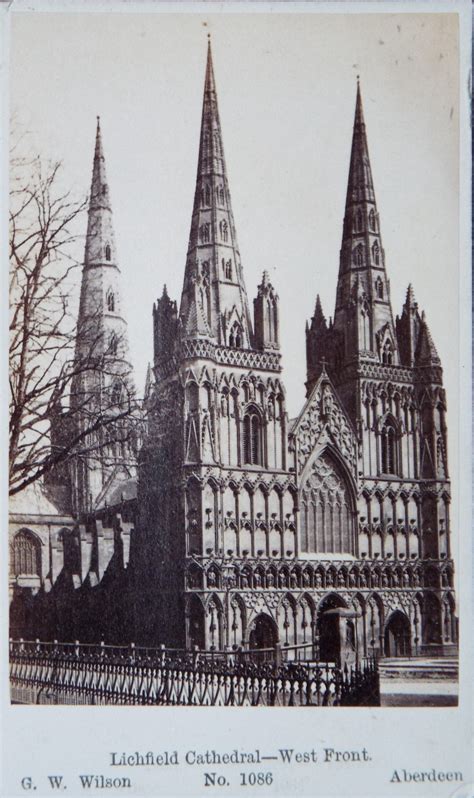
x: 327, y: 503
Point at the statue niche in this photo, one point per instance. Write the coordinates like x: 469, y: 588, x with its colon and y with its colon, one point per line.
x: 327, y: 517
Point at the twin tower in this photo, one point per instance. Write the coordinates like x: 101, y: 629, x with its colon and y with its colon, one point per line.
x: 330, y: 530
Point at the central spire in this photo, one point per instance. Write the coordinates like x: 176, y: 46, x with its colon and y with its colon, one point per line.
x: 214, y: 302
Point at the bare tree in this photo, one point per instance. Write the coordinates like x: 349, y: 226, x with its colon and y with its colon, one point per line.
x: 45, y: 366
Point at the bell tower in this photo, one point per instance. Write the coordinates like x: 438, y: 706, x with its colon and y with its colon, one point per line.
x: 216, y: 488
x: 389, y: 380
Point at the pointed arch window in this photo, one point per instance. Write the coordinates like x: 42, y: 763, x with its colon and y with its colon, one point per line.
x: 387, y: 353
x: 228, y: 270
x: 113, y: 345
x: 388, y: 445
x: 208, y: 195
x: 358, y: 255
x: 25, y: 554
x: 110, y: 301
x: 376, y: 253
x: 116, y: 392
x: 359, y: 220
x: 108, y: 253
x: 379, y: 288
x: 224, y: 230
x: 372, y: 219
x: 252, y: 437
x: 205, y: 232
x: 235, y: 335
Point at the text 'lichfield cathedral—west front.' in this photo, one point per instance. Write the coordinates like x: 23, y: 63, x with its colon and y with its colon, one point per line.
x: 224, y: 525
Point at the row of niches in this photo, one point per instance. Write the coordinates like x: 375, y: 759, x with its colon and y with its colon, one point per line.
x: 257, y: 575
x: 403, y: 395
x: 205, y: 391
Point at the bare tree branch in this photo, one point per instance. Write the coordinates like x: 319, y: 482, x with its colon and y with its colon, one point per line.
x: 46, y: 361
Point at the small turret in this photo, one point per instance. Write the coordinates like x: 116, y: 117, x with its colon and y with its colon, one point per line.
x: 266, y: 321
x: 408, y: 329
x: 316, y: 345
x: 165, y: 326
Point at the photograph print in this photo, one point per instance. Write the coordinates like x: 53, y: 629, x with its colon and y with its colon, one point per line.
x: 234, y: 469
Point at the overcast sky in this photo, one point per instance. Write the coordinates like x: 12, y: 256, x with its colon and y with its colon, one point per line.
x: 286, y: 86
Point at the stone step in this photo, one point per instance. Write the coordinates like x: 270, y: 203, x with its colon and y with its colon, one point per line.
x: 419, y: 668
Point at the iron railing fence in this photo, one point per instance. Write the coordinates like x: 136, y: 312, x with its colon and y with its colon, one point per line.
x: 65, y: 673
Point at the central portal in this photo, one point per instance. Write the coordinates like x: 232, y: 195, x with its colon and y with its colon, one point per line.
x: 263, y: 634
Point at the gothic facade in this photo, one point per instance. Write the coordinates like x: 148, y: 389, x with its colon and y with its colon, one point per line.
x: 246, y: 529
x: 257, y: 530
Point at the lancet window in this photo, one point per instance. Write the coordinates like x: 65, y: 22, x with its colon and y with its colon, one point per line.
x: 252, y: 437
x: 224, y: 228
x: 108, y: 252
x: 376, y: 253
x: 372, y: 219
x: 388, y: 444
x: 358, y: 255
x: 379, y: 288
x: 387, y: 353
x: 110, y: 301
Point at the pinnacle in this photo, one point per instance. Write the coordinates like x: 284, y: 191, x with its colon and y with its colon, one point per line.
x: 318, y: 319
x: 410, y: 301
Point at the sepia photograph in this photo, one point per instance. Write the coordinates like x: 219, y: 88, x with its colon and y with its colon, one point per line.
x: 236, y: 403
x: 202, y: 536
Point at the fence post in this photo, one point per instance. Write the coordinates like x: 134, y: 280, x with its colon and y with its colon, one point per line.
x: 162, y: 653
x: 132, y: 652
x: 195, y: 655
x: 278, y: 655
x: 102, y: 648
x: 37, y: 645
x: 77, y: 647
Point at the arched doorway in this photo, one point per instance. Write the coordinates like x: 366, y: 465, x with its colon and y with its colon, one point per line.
x: 329, y: 629
x: 197, y: 636
x: 397, y: 642
x: 263, y: 633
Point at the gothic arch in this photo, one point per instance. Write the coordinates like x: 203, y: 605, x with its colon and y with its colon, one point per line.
x: 327, y: 504
x: 253, y: 438
x: 25, y: 554
x: 196, y: 621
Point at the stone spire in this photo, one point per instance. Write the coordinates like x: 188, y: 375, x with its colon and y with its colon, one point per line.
x: 100, y: 242
x: 214, y: 301
x: 104, y: 381
x: 362, y: 279
x: 102, y: 330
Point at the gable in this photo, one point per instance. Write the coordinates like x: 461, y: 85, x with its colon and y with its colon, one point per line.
x: 322, y: 421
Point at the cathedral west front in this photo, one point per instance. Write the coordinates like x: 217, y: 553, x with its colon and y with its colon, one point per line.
x: 227, y: 525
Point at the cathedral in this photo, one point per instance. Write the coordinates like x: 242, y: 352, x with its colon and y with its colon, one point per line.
x: 224, y: 524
